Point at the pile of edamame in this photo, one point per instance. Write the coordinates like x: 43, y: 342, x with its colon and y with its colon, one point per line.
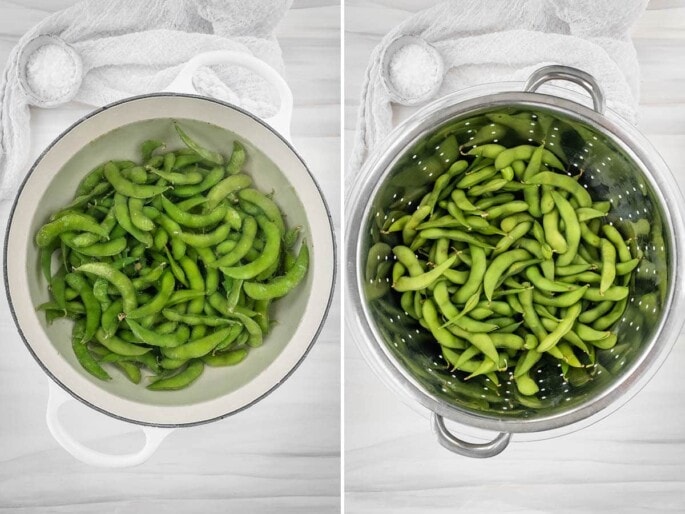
x: 503, y: 257
x: 169, y: 265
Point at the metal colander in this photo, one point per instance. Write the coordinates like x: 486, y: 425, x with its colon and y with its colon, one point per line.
x: 615, y: 164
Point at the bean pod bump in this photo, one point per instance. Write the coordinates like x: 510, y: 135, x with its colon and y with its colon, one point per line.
x: 169, y: 264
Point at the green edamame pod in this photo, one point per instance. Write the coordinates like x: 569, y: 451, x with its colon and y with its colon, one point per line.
x: 211, y: 278
x: 92, y: 305
x: 255, y: 335
x: 107, y: 249
x: 613, y: 293
x: 490, y: 133
x: 229, y: 358
x: 572, y: 229
x: 159, y: 301
x: 229, y: 185
x: 70, y: 222
x: 497, y: 268
x: 544, y: 284
x: 119, y: 346
x: 564, y: 326
x: 442, y: 335
x: 241, y: 248
x: 123, y: 216
x: 206, y: 154
x: 181, y: 380
x: 187, y: 219
x: 507, y: 224
x: 526, y: 385
x: 281, y: 285
x: 476, y: 274
x: 127, y: 188
x: 152, y: 338
x: 138, y: 217
x: 194, y: 320
x: 555, y: 239
x: 237, y: 159
x: 89, y: 181
x: 624, y: 268
x: 84, y: 201
x: 500, y: 199
x: 564, y: 182
x: 472, y: 179
x: 507, y: 209
x: 111, y: 316
x: 267, y: 257
x: 135, y: 174
x: 523, y: 366
x: 608, y: 266
x: 525, y: 153
x: 190, y: 177
x: 265, y: 204
x: 423, y: 280
x: 613, y: 235
x: 491, y: 151
x: 198, y: 347
x: 606, y: 321
x: 115, y: 277
x: 210, y: 180
x: 563, y: 299
x: 149, y: 146
x: 131, y: 371
x: 511, y: 237
x: 171, y: 364
x: 195, y: 282
x: 84, y: 357
x: 208, y: 239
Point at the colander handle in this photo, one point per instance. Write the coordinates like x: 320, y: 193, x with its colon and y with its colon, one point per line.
x: 475, y: 450
x: 153, y: 437
x: 579, y: 77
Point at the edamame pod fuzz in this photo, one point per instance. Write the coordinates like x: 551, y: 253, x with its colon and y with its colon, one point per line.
x: 495, y: 269
x: 170, y: 264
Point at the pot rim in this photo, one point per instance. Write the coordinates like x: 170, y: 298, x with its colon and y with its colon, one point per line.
x: 467, y: 102
x: 277, y: 383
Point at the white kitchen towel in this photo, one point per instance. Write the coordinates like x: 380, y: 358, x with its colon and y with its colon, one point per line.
x: 130, y: 47
x: 485, y: 41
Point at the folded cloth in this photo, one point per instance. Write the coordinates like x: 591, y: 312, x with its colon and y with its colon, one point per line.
x: 129, y: 47
x: 483, y: 41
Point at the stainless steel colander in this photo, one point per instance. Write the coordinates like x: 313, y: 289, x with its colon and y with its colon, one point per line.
x: 615, y: 163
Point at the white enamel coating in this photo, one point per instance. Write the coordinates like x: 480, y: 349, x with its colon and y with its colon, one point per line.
x: 116, y: 131
x: 280, y: 121
x: 58, y: 397
x: 155, y: 435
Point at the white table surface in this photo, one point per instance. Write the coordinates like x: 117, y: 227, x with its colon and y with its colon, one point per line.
x: 282, y: 454
x: 632, y: 461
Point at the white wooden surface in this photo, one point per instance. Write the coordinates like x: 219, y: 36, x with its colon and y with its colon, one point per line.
x: 632, y: 461
x: 281, y: 455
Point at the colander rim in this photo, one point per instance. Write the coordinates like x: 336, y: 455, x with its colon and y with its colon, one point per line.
x: 461, y: 104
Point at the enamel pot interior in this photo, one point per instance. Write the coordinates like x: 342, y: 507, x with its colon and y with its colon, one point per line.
x: 115, y: 132
x: 614, y: 163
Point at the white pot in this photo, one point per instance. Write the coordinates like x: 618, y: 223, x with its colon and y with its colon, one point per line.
x: 116, y: 131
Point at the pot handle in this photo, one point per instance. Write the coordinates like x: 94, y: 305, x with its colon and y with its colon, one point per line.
x: 579, y: 77
x: 475, y: 450
x: 58, y: 397
x: 280, y: 121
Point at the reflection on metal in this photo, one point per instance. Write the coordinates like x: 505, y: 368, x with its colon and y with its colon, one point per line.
x: 611, y: 166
